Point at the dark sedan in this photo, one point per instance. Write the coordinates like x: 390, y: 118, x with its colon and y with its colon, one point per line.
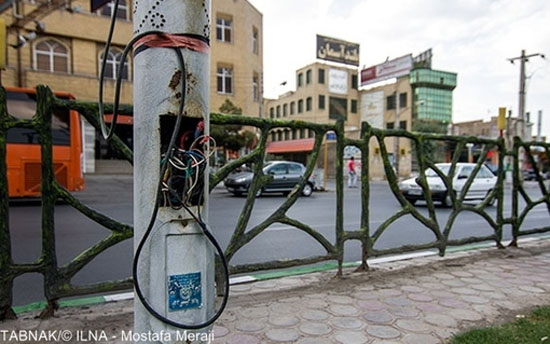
x: 286, y: 175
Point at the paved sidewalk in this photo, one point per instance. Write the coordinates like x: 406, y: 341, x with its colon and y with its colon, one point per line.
x: 421, y: 301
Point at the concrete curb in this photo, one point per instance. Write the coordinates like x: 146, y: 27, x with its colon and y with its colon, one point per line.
x: 93, y: 300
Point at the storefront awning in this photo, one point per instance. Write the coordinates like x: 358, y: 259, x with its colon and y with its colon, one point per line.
x: 294, y: 146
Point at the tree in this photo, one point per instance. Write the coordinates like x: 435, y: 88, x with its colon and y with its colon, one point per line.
x: 434, y: 149
x: 231, y: 137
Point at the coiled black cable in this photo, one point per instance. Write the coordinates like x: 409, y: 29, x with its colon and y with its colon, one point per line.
x: 108, y: 134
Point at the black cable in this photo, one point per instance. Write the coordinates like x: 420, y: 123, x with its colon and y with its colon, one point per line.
x: 107, y: 134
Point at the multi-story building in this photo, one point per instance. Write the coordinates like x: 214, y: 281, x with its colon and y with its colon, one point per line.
x: 378, y: 108
x: 236, y: 64
x: 433, y: 93
x: 421, y: 95
x: 324, y: 93
x: 64, y: 49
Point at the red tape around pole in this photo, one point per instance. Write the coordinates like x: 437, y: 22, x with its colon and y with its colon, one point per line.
x: 173, y: 41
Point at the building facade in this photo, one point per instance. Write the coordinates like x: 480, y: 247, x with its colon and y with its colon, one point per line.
x: 422, y: 95
x: 389, y: 106
x: 433, y: 93
x: 63, y: 48
x: 324, y: 93
x: 236, y: 62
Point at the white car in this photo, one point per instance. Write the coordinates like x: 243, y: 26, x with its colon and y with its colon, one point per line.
x: 482, y: 184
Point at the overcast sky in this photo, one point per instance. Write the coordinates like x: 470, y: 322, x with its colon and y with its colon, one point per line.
x: 473, y: 38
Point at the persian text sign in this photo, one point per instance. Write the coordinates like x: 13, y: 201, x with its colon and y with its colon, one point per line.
x: 338, y: 81
x: 387, y: 70
x: 336, y: 50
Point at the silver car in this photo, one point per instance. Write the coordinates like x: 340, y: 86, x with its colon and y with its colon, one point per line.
x: 484, y: 182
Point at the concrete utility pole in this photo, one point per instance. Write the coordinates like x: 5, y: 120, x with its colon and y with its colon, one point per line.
x: 521, y: 111
x: 176, y: 267
x: 539, y: 126
x: 396, y: 126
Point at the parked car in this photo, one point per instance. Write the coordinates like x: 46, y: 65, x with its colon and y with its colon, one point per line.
x: 286, y: 174
x: 482, y: 184
x: 529, y: 174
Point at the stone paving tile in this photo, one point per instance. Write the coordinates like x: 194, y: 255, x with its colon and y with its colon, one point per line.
x: 314, y: 315
x: 350, y: 337
x: 315, y: 328
x: 314, y: 340
x: 347, y: 323
x: 345, y: 310
x: 413, y: 325
x: 420, y: 338
x: 379, y: 317
x: 383, y: 332
x: 282, y: 335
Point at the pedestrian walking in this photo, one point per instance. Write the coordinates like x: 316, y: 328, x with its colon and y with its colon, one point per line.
x: 352, y: 174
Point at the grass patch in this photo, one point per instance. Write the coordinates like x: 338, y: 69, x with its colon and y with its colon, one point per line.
x: 534, y: 329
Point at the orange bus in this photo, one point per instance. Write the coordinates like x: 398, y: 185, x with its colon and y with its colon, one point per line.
x: 23, y: 146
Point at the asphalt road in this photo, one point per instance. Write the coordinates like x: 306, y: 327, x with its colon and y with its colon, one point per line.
x: 112, y: 195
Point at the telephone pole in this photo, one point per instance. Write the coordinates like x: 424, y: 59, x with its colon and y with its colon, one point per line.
x: 521, y: 111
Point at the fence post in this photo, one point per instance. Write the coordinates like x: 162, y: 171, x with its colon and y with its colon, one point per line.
x: 6, y: 272
x: 340, y: 141
x: 176, y: 261
x: 48, y: 258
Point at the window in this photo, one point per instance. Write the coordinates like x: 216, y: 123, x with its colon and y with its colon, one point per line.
x: 354, y: 82
x: 273, y: 137
x: 337, y: 108
x: 278, y: 111
x: 294, y: 169
x: 403, y: 125
x: 390, y: 125
x: 255, y: 88
x: 287, y: 135
x: 403, y: 100
x: 353, y: 106
x: 285, y: 110
x: 299, y: 81
x: 278, y: 169
x: 321, y: 102
x: 255, y: 40
x: 390, y: 102
x: 121, y: 13
x: 308, y: 77
x: 302, y: 133
x: 308, y: 103
x: 225, y: 80
x: 112, y: 65
x: 51, y: 56
x: 280, y: 136
x: 292, y: 108
x: 300, y: 106
x: 224, y: 29
x: 272, y: 113
x: 311, y: 134
x: 321, y: 75
x: 294, y: 132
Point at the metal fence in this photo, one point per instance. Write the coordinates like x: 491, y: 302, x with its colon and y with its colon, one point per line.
x: 57, y: 279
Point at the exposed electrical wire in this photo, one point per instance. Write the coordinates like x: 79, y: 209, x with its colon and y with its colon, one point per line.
x: 192, y: 161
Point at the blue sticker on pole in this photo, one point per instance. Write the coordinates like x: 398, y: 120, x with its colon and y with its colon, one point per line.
x: 184, y: 292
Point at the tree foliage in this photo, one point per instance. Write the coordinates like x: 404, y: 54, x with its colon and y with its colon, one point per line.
x: 434, y: 149
x: 233, y: 136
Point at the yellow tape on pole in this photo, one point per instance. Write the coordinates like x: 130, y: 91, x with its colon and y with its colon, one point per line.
x: 501, y: 118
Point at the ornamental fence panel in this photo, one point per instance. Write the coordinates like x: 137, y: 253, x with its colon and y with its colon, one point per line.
x: 57, y: 279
